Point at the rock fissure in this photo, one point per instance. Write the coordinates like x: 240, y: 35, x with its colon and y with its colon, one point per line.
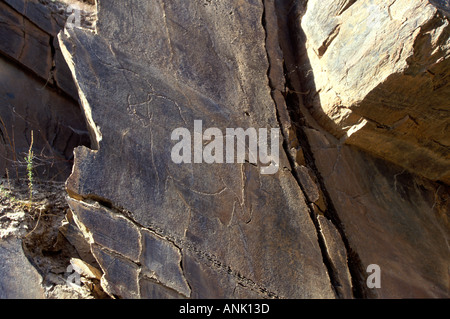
x: 298, y: 121
x: 288, y: 106
x: 226, y: 230
x: 355, y: 268
x: 321, y: 51
x: 51, y: 76
x: 206, y: 258
x: 346, y: 5
x: 325, y: 256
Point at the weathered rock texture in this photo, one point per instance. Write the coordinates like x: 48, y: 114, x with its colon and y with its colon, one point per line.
x: 19, y: 279
x: 165, y: 230
x: 376, y: 76
x: 37, y: 96
x: 387, y: 215
x: 218, y: 226
x: 37, y: 92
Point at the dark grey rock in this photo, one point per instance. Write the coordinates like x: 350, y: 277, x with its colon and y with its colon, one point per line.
x: 18, y: 278
x: 120, y: 276
x: 191, y: 61
x: 108, y: 229
x: 55, y: 119
x: 162, y: 259
x: 150, y: 289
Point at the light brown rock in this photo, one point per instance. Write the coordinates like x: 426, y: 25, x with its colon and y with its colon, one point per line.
x: 376, y: 76
x: 84, y: 269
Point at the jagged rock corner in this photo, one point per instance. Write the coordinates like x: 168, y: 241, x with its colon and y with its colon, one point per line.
x: 359, y: 90
x: 39, y: 111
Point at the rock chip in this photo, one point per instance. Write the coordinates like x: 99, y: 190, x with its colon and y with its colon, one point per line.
x: 84, y: 269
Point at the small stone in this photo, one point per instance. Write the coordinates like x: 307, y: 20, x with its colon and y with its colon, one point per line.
x: 85, y: 270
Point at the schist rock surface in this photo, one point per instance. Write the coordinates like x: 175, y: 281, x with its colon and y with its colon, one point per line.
x: 359, y: 182
x: 376, y: 75
x: 37, y: 92
x: 19, y: 279
x: 228, y: 225
x: 39, y: 111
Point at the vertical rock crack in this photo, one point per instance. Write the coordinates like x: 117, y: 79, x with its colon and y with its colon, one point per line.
x: 295, y: 116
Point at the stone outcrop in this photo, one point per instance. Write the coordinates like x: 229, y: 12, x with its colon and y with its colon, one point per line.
x: 387, y: 216
x: 165, y: 230
x: 37, y: 90
x: 359, y: 93
x: 198, y: 230
x: 376, y: 76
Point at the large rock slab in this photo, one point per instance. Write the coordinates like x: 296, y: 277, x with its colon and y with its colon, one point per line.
x: 394, y: 219
x: 233, y: 225
x: 55, y: 119
x: 37, y: 91
x: 376, y: 76
x: 387, y: 216
x: 18, y: 278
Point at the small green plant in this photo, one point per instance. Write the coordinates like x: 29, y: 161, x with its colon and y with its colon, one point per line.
x: 29, y: 160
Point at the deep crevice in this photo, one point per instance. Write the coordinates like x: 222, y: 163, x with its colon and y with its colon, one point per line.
x: 354, y: 263
x: 293, y: 102
x: 51, y: 76
x: 296, y: 117
x: 321, y: 241
x: 347, y: 6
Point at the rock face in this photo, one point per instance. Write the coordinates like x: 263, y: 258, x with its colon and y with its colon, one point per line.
x: 391, y: 218
x: 376, y: 76
x: 387, y: 216
x: 37, y: 95
x: 19, y: 279
x: 162, y: 229
x: 37, y: 91
x: 210, y: 227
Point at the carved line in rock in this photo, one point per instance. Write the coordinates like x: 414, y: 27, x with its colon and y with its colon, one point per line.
x: 207, y: 259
